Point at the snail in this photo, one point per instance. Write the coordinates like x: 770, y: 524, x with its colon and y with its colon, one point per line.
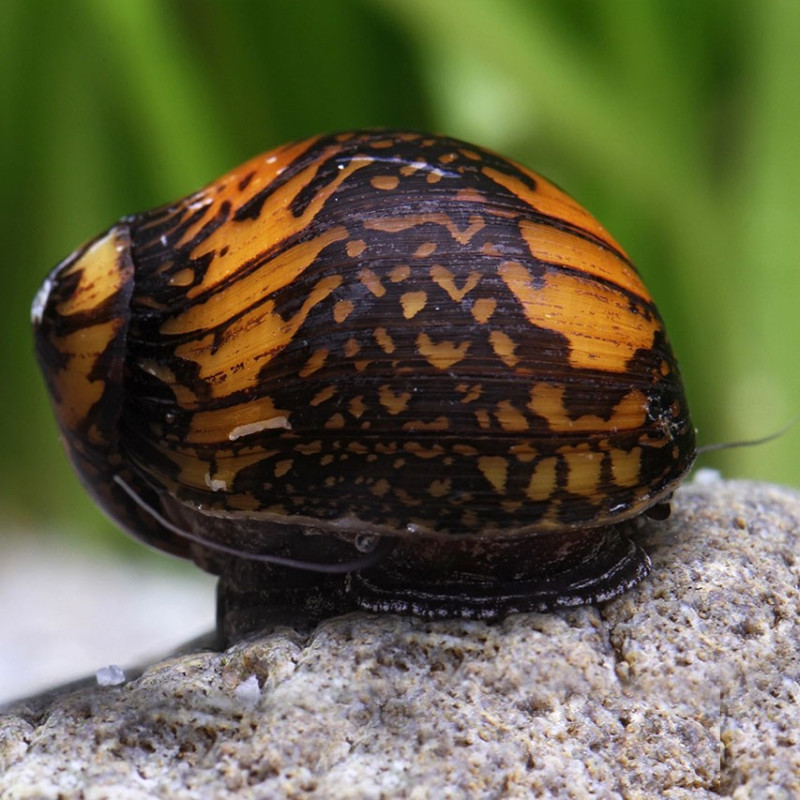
x: 381, y: 370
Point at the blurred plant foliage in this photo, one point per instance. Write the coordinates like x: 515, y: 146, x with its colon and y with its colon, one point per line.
x: 675, y: 122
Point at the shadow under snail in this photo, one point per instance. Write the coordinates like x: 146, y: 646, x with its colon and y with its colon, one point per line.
x: 377, y: 369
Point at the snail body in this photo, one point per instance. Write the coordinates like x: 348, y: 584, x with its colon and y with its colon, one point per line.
x: 378, y: 369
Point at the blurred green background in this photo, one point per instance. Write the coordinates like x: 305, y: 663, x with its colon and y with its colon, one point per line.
x: 676, y: 123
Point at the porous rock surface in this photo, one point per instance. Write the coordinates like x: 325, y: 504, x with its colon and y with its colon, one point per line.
x: 686, y: 686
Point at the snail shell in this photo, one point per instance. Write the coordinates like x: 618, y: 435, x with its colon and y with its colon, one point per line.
x: 389, y: 368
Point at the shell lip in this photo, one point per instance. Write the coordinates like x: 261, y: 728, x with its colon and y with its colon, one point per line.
x: 42, y: 295
x: 80, y: 317
x: 350, y: 526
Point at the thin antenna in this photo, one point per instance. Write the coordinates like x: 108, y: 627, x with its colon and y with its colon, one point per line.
x: 345, y: 566
x: 708, y: 448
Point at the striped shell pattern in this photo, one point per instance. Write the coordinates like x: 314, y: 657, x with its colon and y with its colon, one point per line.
x: 380, y: 334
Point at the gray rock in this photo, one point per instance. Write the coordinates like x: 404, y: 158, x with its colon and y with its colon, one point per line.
x: 687, y: 686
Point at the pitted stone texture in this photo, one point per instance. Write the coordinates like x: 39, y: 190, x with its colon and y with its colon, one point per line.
x: 685, y: 687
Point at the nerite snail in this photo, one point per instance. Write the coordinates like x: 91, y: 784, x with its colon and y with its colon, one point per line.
x: 378, y: 369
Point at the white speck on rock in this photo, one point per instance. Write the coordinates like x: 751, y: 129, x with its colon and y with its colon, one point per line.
x: 112, y: 675
x: 248, y: 692
x: 707, y: 476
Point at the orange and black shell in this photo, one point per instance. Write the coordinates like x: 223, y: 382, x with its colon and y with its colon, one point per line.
x: 382, y: 332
